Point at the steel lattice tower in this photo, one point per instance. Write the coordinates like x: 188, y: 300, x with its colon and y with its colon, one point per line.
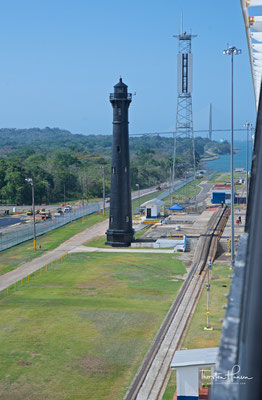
x: 184, y: 114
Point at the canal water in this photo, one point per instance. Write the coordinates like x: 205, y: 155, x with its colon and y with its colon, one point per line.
x: 222, y: 164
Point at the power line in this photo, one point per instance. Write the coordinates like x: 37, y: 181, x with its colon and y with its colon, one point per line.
x: 195, y: 131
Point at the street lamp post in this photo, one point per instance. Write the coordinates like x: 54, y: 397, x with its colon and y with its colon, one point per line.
x: 209, y: 268
x: 249, y: 128
x: 138, y: 188
x: 104, y: 190
x: 30, y: 180
x: 232, y: 51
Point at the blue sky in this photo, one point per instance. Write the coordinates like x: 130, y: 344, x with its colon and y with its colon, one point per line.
x: 61, y: 58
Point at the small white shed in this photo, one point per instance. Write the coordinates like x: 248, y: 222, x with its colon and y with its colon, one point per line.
x: 153, y: 208
x: 187, y: 364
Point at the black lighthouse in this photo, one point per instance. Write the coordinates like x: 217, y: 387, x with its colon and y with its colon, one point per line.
x: 120, y: 232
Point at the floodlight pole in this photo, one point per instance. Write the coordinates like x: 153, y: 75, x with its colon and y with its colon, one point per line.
x: 232, y: 51
x: 209, y: 268
x: 232, y: 166
x: 173, y: 170
x: 249, y: 127
x: 104, y: 189
x: 30, y: 180
x: 138, y: 187
x: 208, y: 291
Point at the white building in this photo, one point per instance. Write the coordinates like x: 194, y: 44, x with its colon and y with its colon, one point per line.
x: 221, y: 193
x: 153, y: 208
x: 188, y: 365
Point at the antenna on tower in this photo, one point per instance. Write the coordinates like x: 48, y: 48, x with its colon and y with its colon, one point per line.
x: 184, y: 115
x: 210, y: 121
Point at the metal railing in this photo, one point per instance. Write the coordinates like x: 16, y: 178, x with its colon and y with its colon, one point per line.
x: 13, y: 235
x: 120, y: 96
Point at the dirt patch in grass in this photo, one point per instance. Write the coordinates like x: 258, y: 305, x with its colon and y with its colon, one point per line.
x: 24, y: 363
x: 93, y: 365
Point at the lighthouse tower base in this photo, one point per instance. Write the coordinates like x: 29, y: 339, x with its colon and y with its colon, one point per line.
x: 119, y: 238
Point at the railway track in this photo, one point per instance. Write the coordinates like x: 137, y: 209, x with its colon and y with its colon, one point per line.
x: 153, y: 373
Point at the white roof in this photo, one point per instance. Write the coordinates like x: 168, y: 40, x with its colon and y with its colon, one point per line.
x: 153, y: 201
x: 198, y: 357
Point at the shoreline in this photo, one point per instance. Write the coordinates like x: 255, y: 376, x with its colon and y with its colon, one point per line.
x: 211, y: 158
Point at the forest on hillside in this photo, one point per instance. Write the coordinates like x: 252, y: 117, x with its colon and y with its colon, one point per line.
x: 67, y: 166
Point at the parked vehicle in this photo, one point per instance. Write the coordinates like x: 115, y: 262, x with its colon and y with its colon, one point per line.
x: 46, y: 215
x: 59, y: 212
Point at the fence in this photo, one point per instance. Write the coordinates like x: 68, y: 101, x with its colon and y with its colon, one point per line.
x: 13, y: 235
x: 176, y: 187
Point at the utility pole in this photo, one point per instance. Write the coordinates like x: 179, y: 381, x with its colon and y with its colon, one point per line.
x: 138, y: 187
x: 210, y: 122
x: 231, y: 51
x: 209, y: 268
x: 173, y: 170
x: 30, y: 180
x: 104, y: 190
x: 249, y: 128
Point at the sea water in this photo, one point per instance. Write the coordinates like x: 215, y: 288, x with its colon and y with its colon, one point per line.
x: 222, y: 164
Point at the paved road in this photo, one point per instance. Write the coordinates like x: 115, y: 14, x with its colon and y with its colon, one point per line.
x: 6, y: 221
x: 204, y: 192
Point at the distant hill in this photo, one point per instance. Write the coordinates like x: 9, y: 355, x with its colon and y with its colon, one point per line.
x: 66, y: 166
x: 35, y: 140
x: 50, y: 139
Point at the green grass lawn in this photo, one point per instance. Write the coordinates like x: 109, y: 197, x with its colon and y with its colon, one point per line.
x: 226, y: 177
x: 137, y: 202
x: 100, y: 241
x: 215, y: 178
x: 11, y: 258
x: 81, y: 330
x: 196, y: 337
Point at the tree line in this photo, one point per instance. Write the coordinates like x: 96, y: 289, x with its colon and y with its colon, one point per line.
x: 68, y: 167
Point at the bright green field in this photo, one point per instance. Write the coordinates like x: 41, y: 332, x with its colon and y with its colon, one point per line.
x: 196, y: 337
x: 11, y: 258
x: 137, y: 202
x: 100, y: 240
x: 223, y: 178
x: 215, y: 178
x: 81, y: 330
